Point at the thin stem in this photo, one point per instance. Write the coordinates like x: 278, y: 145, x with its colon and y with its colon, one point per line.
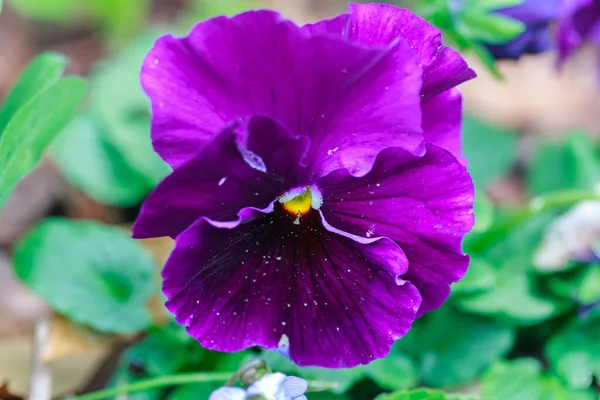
x: 153, y: 383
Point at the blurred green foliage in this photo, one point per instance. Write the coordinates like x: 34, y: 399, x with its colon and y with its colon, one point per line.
x: 115, y: 18
x: 33, y: 114
x: 93, y: 273
x: 466, y: 24
x: 510, y: 329
x: 107, y: 151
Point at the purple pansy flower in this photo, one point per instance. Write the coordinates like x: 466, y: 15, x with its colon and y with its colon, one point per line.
x: 537, y: 16
x: 316, y: 190
x: 580, y: 22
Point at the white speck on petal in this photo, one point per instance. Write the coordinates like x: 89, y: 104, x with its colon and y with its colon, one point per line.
x: 254, y: 160
x: 222, y: 181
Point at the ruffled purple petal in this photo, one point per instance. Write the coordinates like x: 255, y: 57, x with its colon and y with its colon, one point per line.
x: 381, y: 108
x: 337, y: 300
x: 336, y: 26
x: 326, y: 87
x: 247, y: 165
x: 580, y: 21
x: 424, y: 204
x: 442, y: 120
x: 533, y: 11
x: 382, y: 24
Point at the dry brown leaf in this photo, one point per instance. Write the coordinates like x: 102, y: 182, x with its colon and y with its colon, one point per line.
x: 5, y: 394
x: 70, y: 339
x: 73, y: 354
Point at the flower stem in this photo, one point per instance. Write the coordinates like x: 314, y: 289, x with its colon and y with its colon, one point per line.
x: 538, y: 205
x: 322, y: 386
x: 564, y: 198
x: 153, y: 383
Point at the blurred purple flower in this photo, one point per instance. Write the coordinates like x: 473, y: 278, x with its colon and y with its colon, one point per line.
x: 228, y: 393
x: 537, y: 16
x: 579, y: 23
x: 274, y: 386
x: 316, y: 190
x: 277, y: 386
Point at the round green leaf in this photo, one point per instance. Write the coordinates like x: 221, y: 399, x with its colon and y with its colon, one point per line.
x: 91, y: 163
x: 94, y: 274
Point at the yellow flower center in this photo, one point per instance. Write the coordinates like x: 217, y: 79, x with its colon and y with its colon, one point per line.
x: 297, y: 203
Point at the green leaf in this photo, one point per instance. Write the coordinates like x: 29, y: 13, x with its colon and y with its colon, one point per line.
x: 589, y: 291
x: 120, y: 105
x: 516, y: 242
x: 484, y: 212
x: 511, y: 298
x: 569, y: 165
x: 94, y: 274
x: 437, y: 12
x: 33, y: 128
x: 486, y: 57
x: 164, y: 351
x: 422, y: 394
x: 41, y: 73
x: 523, y: 379
x: 453, y: 348
x: 569, y: 282
x: 126, y: 374
x: 113, y: 135
x: 489, y: 28
x: 89, y: 161
x: 490, y: 150
x: 574, y: 353
x: 396, y: 371
x: 480, y: 276
x: 345, y: 377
